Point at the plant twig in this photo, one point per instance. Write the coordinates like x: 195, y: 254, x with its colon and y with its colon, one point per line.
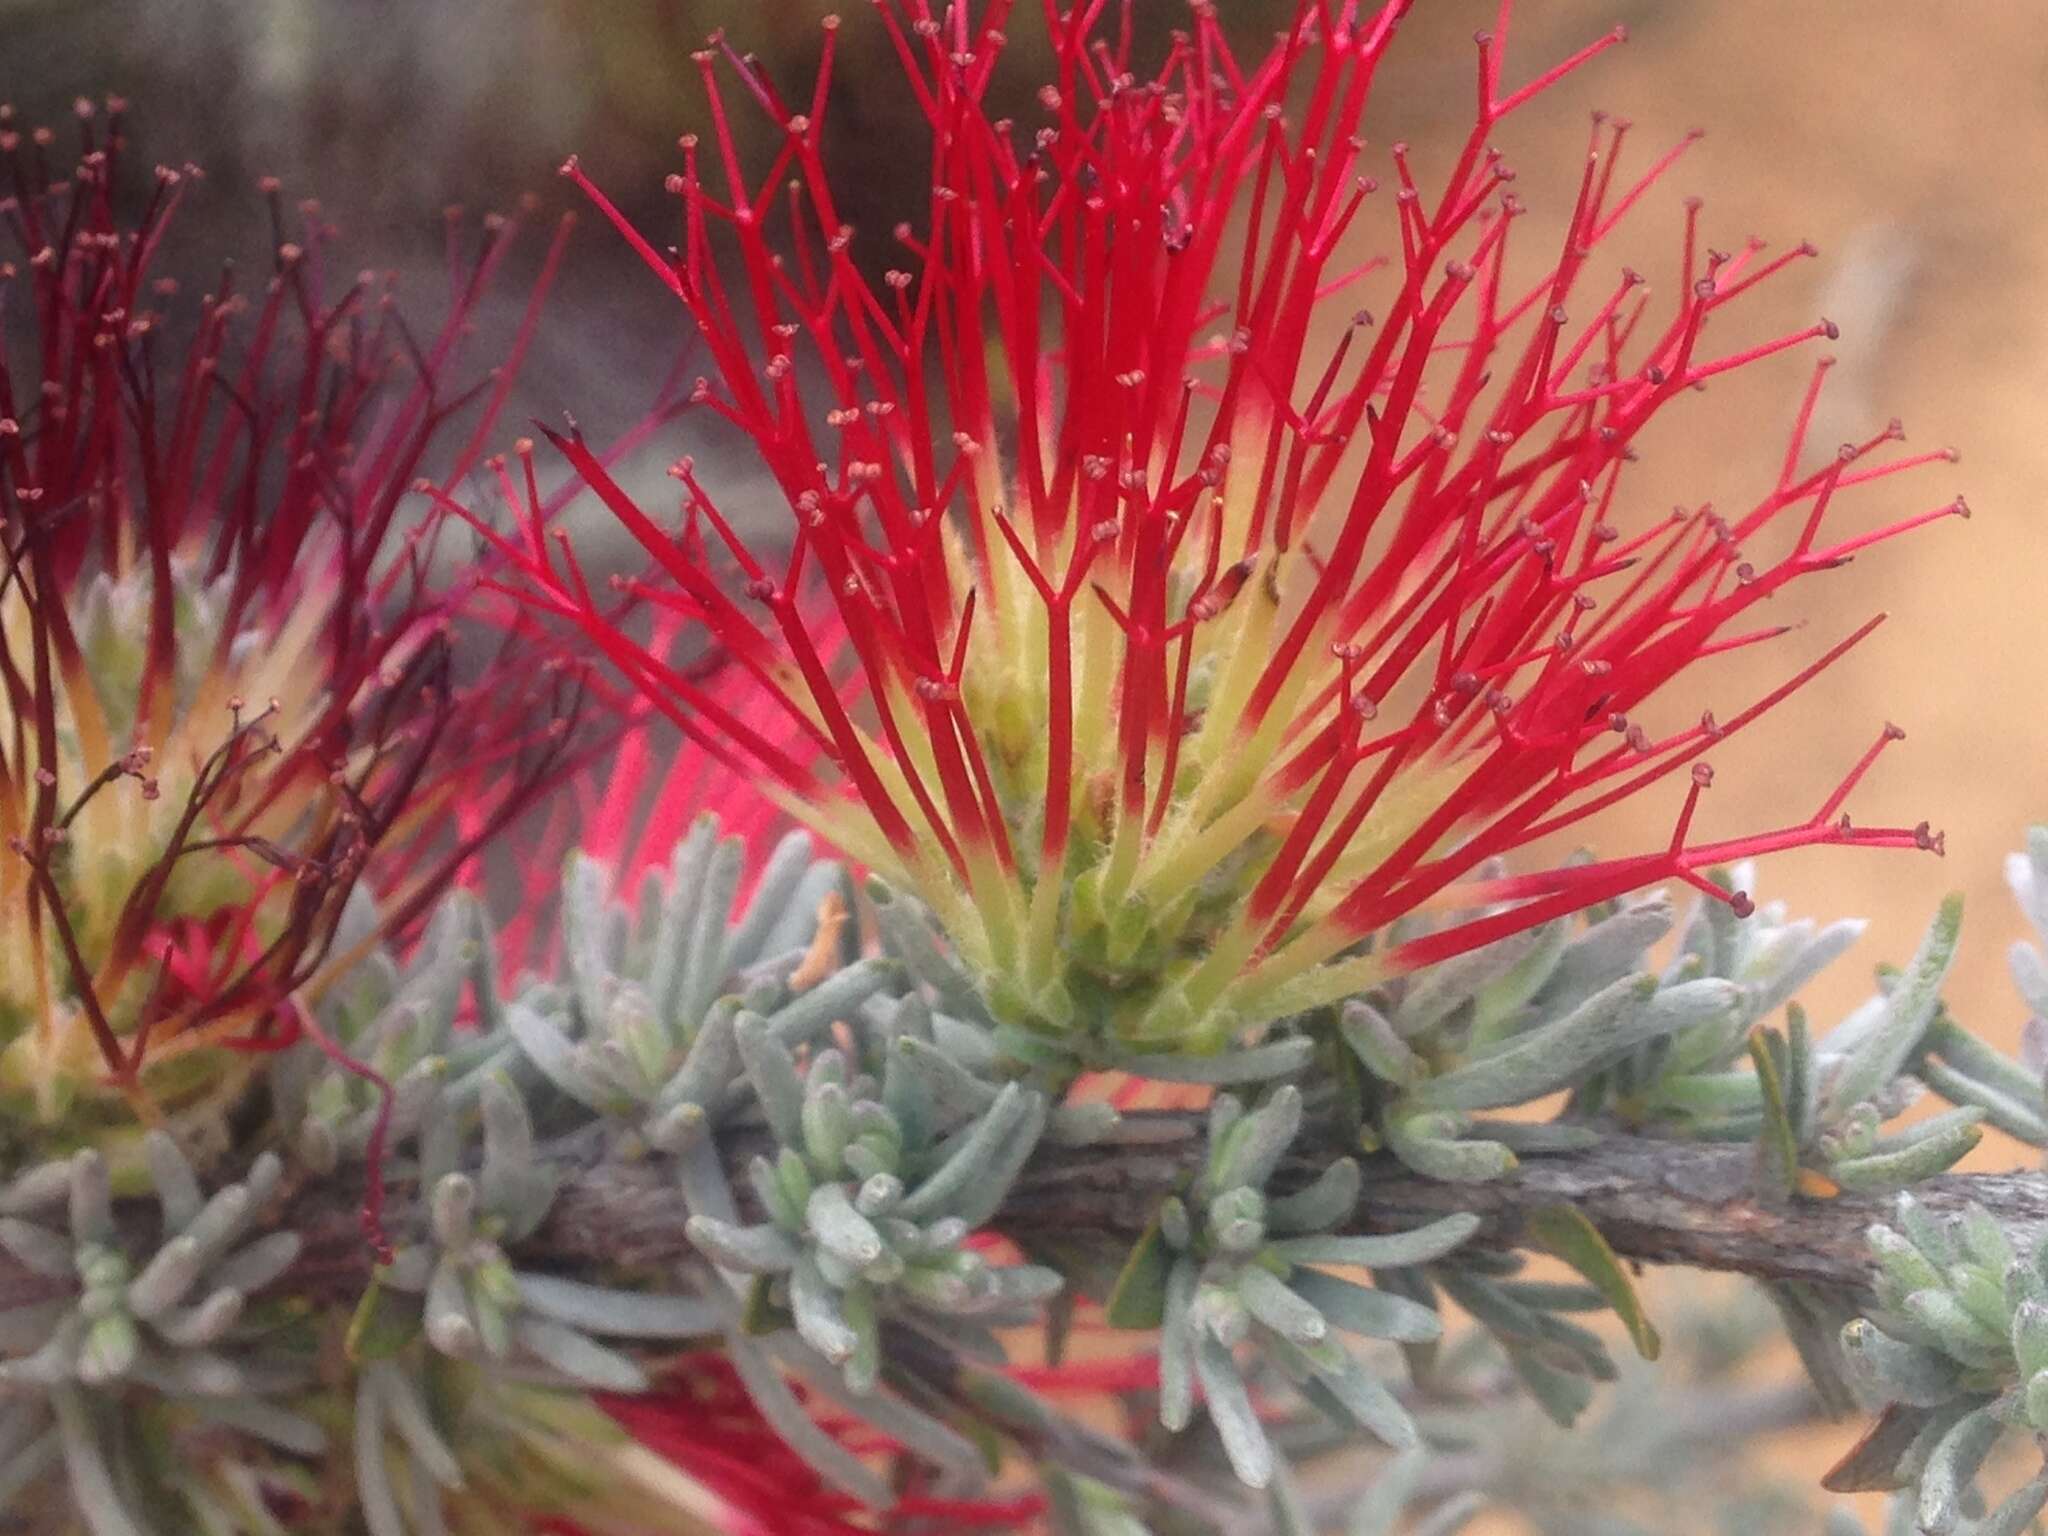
x: 1657, y: 1202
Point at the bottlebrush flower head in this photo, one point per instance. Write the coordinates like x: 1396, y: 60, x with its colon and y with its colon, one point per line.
x: 1172, y: 599
x: 226, y: 678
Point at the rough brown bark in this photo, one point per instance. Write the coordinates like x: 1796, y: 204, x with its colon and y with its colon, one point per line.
x: 1657, y: 1202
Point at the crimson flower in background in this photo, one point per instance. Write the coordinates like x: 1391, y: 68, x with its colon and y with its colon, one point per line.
x: 702, y: 1420
x: 229, y: 685
x: 1173, y: 599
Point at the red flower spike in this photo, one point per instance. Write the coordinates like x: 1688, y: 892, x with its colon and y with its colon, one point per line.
x: 1279, y: 629
x: 227, y: 684
x: 701, y: 1418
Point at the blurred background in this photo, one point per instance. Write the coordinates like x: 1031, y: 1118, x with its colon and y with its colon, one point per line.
x: 1903, y: 139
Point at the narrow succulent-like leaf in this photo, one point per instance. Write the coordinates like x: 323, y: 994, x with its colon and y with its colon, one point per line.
x: 1952, y: 1469
x: 908, y: 936
x: 1284, y: 1507
x: 1609, y: 949
x: 1030, y: 1284
x: 1857, y: 1027
x: 92, y: 1199
x: 1543, y: 1060
x: 973, y: 1157
x: 1959, y: 1332
x: 1800, y: 1079
x: 1420, y: 1245
x: 1708, y: 1095
x: 759, y: 1250
x: 36, y: 1188
x: 1177, y: 1346
x: 171, y: 1272
x: 376, y: 1496
x: 514, y: 1185
x: 2029, y: 976
x: 619, y: 1314
x: 207, y: 1323
x: 1252, y: 1148
x: 405, y: 1409
x: 177, y: 1187
x: 1377, y: 1510
x: 711, y: 1063
x: 956, y: 1093
x: 771, y: 1071
x: 1376, y: 1043
x: 1434, y: 1145
x: 1982, y: 1296
x: 2030, y: 1337
x: 95, y: 1494
x: 979, y: 1202
x: 1434, y: 993
x: 1081, y: 1124
x: 38, y: 1249
x: 1889, y: 1371
x: 1364, y: 1400
x: 451, y: 1327
x: 1279, y: 1308
x: 578, y: 1356
x: 1230, y: 1410
x: 1933, y: 1146
x: 1562, y: 1395
x: 2012, y: 1113
x: 2034, y: 1399
x: 1925, y: 1230
x: 1564, y: 1230
x: 258, y: 1264
x: 1255, y: 1064
x: 556, y: 1056
x: 784, y: 1210
x: 827, y: 1128
x: 789, y: 1419
x: 1498, y: 1006
x: 452, y: 1211
x: 586, y: 928
x: 2016, y: 1513
x: 944, y: 1447
x: 814, y: 1304
x: 1364, y: 1310
x: 705, y: 966
x: 668, y: 957
x: 701, y: 1176
x: 1878, y: 1058
x: 1826, y: 947
x: 774, y: 889
x: 841, y: 1229
x: 1778, y: 1147
x: 1537, y: 1138
x: 1814, y: 1319
x: 1330, y: 1199
x: 266, y: 1421
x: 838, y: 996
x: 2026, y: 872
